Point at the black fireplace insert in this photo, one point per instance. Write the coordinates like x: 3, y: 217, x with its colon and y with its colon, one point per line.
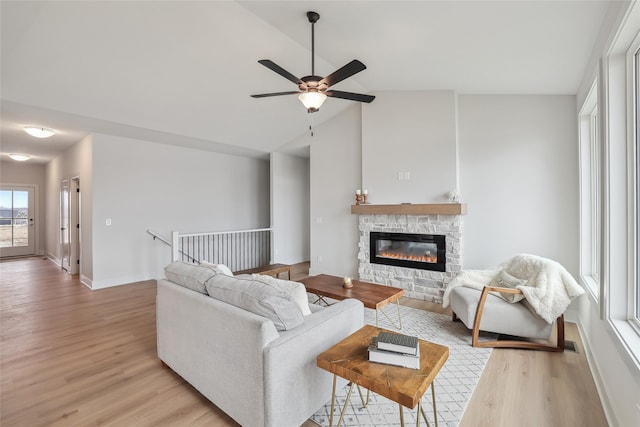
x: 422, y: 251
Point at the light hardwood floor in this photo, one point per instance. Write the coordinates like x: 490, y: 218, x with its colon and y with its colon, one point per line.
x: 70, y: 356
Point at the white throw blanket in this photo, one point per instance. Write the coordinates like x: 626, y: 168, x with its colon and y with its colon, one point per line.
x: 548, y: 286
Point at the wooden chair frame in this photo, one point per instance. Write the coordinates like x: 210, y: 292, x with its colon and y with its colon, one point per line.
x: 559, y: 347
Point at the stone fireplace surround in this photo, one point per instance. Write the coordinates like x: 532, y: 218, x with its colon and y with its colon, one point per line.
x: 445, y: 219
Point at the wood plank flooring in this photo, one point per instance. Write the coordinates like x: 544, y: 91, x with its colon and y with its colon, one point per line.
x: 70, y: 356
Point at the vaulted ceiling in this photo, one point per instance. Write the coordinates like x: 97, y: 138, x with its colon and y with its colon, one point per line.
x: 181, y: 72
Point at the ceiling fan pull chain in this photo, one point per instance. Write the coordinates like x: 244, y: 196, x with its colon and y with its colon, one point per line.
x: 311, y: 125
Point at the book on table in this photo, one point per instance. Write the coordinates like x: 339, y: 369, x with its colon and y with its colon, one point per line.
x: 376, y: 354
x: 398, y: 342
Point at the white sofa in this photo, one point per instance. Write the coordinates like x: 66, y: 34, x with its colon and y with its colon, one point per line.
x: 258, y: 375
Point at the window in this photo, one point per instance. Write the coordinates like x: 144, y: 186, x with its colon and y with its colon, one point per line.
x: 636, y: 194
x: 590, y: 193
x: 618, y: 105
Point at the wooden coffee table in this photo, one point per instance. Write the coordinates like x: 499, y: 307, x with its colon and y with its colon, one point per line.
x: 372, y: 295
x: 349, y: 359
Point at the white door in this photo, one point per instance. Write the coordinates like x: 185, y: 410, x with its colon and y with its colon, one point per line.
x: 17, y: 232
x: 65, y: 231
x: 74, y: 220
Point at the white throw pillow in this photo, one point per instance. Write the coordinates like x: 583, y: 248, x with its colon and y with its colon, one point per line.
x: 257, y: 297
x: 218, y: 268
x: 188, y: 275
x: 296, y: 289
x: 505, y: 280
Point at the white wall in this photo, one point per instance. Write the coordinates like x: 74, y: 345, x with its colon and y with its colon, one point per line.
x: 142, y: 185
x: 335, y: 175
x: 519, y: 176
x: 74, y: 162
x: 517, y: 159
x: 290, y: 208
x: 12, y: 172
x: 412, y: 132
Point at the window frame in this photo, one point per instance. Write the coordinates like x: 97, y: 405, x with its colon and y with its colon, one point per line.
x: 619, y: 274
x: 590, y: 193
x: 633, y: 69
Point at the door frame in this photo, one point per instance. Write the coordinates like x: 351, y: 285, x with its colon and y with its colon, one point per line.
x: 34, y: 225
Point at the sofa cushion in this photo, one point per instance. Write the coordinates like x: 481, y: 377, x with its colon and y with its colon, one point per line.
x: 296, y: 289
x: 189, y: 275
x: 218, y: 268
x: 257, y: 297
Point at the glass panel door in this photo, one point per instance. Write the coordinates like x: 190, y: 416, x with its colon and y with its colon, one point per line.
x: 16, y: 221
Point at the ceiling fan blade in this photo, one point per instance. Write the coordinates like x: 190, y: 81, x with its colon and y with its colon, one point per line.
x: 340, y: 74
x: 264, y: 95
x: 278, y: 69
x: 350, y: 96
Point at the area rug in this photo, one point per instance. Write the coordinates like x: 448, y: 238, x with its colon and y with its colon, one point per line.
x: 454, y: 384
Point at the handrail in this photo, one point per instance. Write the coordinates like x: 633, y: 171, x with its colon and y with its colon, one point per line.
x: 221, y: 247
x: 217, y: 233
x: 159, y: 237
x: 168, y: 243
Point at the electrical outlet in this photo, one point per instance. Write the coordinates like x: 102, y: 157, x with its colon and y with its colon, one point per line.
x: 319, y: 258
x: 108, y: 222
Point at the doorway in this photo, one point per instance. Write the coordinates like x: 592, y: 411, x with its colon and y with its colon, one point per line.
x: 70, y: 225
x: 17, y: 231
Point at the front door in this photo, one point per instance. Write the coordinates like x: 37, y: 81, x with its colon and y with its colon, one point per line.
x: 17, y: 233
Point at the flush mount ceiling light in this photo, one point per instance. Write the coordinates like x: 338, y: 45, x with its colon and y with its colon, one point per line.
x: 39, y: 131
x: 19, y: 157
x: 313, y: 90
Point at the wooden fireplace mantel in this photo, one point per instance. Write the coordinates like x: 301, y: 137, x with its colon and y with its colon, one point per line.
x: 411, y: 209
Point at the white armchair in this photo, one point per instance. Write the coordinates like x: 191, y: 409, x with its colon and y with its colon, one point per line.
x: 522, y: 298
x: 481, y: 310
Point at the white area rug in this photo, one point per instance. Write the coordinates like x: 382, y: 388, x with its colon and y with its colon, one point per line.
x: 453, y: 385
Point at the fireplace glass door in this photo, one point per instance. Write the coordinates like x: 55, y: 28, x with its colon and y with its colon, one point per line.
x: 422, y: 251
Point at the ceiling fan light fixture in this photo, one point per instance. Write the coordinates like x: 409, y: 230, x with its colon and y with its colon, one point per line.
x: 39, y: 131
x: 312, y: 100
x: 19, y: 157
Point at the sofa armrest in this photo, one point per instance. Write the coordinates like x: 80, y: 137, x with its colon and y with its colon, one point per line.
x: 290, y: 362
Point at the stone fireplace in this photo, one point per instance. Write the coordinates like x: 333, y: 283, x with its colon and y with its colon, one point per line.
x: 422, y: 267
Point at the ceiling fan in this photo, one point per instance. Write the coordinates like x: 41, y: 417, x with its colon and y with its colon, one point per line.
x: 313, y: 90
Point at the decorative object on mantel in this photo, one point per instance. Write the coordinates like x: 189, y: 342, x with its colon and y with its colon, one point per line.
x: 347, y: 283
x: 362, y: 197
x: 454, y: 196
x: 410, y: 209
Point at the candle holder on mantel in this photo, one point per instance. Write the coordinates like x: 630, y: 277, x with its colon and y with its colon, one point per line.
x: 365, y: 198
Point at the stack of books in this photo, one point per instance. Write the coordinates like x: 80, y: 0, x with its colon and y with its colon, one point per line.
x: 395, y: 349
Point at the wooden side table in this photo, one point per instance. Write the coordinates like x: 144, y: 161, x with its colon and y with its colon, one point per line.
x: 268, y: 270
x: 349, y: 359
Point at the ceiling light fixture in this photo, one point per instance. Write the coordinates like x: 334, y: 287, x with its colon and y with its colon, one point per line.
x: 19, y: 157
x: 312, y: 100
x: 39, y: 131
x: 313, y: 90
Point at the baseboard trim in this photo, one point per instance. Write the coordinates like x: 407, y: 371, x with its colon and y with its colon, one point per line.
x: 597, y: 378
